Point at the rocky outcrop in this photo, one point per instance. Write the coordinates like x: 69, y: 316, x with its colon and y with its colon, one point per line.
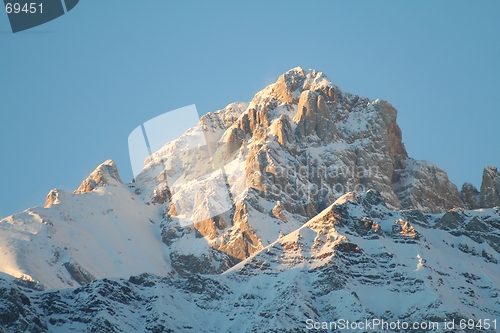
x: 490, y: 188
x: 312, y: 116
x: 78, y: 273
x: 103, y: 175
x: 488, y: 196
x: 423, y: 186
x: 278, y: 212
x: 161, y: 196
x: 302, y: 142
x: 470, y: 196
x: 54, y: 197
x: 282, y: 129
x: 331, y: 142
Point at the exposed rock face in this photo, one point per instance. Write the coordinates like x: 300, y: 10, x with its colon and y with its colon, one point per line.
x: 54, y: 197
x: 357, y: 256
x: 489, y: 196
x: 301, y: 141
x: 161, y: 196
x: 482, y: 228
x: 404, y: 228
x: 424, y: 186
x: 289, y: 155
x: 271, y: 164
x: 278, y: 212
x: 490, y: 188
x: 339, y: 142
x: 242, y: 242
x: 334, y: 142
x: 470, y: 196
x: 103, y: 175
x: 78, y: 273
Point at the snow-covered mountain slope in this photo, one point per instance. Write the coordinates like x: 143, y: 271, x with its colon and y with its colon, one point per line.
x: 104, y: 232
x: 357, y: 260
x: 399, y: 264
x: 263, y: 167
x: 243, y: 224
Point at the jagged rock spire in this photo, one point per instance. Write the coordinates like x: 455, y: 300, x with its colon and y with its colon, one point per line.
x: 490, y: 188
x: 105, y: 174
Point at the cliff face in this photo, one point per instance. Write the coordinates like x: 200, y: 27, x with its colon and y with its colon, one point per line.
x: 305, y: 198
x: 104, y: 174
x: 470, y: 196
x: 302, y: 142
x: 305, y: 132
x: 489, y: 194
x: 265, y: 168
x: 490, y: 188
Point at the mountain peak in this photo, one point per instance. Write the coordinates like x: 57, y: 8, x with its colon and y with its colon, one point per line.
x: 490, y: 187
x: 293, y: 82
x: 55, y: 197
x: 295, y: 198
x: 105, y: 174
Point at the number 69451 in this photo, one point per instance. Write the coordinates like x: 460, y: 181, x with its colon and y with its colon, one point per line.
x: 16, y: 8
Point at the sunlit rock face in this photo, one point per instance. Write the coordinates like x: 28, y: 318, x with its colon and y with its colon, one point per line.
x: 302, y: 204
x: 301, y: 141
x: 104, y: 174
x: 267, y: 167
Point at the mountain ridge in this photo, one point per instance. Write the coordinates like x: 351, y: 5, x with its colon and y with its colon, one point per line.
x: 261, y: 147
x: 306, y: 187
x: 357, y: 260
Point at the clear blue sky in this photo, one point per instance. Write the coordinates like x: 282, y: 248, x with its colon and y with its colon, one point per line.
x: 73, y: 89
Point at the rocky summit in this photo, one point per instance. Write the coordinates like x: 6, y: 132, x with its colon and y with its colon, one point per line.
x: 301, y: 207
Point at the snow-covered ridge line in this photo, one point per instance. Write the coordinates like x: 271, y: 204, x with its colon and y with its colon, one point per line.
x: 297, y: 147
x: 357, y: 260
